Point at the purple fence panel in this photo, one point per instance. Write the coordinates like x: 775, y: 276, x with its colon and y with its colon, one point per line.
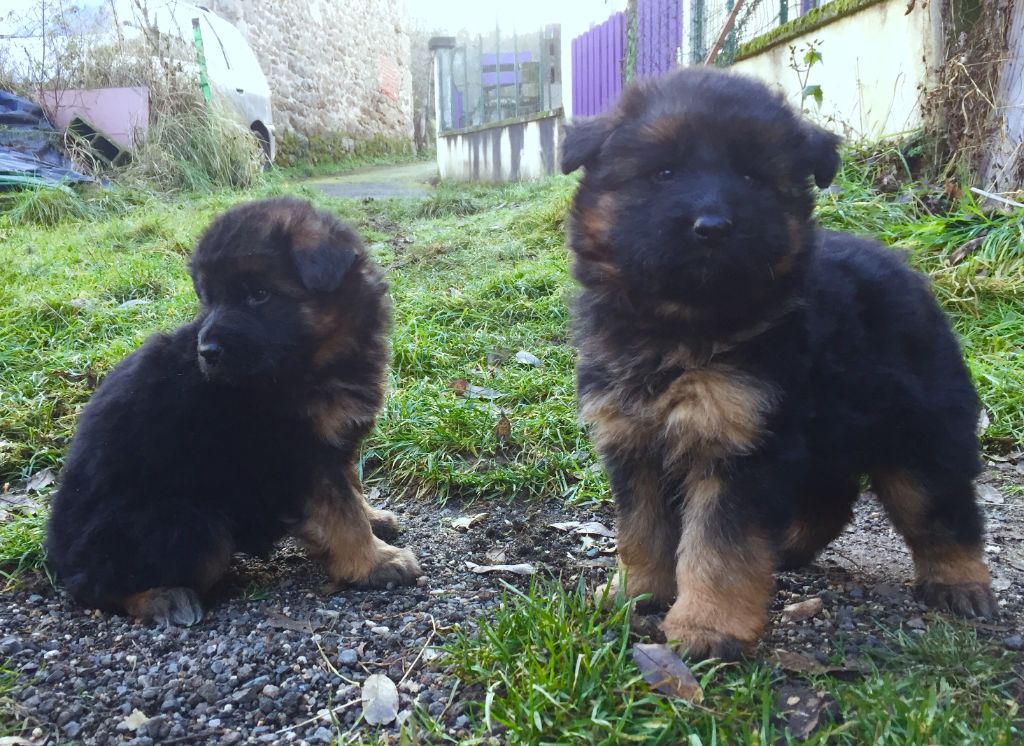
x: 659, y: 36
x: 597, y: 66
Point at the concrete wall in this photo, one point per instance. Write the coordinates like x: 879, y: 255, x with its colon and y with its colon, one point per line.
x: 334, y: 66
x: 876, y: 63
x: 511, y: 152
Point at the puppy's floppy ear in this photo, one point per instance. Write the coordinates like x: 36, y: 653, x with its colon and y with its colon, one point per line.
x: 821, y: 154
x: 323, y: 262
x: 582, y: 141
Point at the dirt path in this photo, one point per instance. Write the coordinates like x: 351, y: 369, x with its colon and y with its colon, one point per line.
x: 274, y: 654
x: 380, y: 182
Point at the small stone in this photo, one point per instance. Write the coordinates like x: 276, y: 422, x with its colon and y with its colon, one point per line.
x: 322, y: 735
x: 10, y: 645
x: 1014, y: 642
x: 72, y: 729
x: 271, y: 691
x: 209, y: 692
x: 348, y: 657
x: 916, y: 623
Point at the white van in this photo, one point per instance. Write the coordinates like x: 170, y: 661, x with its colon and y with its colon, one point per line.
x: 234, y: 73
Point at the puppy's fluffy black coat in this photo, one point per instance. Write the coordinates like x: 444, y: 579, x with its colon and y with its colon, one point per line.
x: 742, y: 370
x: 237, y: 428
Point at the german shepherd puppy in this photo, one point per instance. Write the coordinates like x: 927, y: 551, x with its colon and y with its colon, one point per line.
x: 742, y: 371
x: 236, y: 429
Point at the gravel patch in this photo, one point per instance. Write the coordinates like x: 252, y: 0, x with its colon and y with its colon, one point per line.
x: 274, y: 655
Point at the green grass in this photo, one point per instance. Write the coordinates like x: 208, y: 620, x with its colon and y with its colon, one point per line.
x: 549, y: 667
x: 484, y: 276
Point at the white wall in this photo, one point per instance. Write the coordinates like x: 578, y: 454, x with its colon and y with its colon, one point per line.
x: 513, y: 152
x: 875, y: 62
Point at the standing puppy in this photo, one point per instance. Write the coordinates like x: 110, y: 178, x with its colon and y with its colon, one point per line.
x: 742, y: 371
x: 237, y: 428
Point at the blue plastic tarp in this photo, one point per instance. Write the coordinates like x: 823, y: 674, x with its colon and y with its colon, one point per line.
x: 28, y: 146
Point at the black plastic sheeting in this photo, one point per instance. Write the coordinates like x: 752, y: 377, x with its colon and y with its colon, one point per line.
x: 28, y: 147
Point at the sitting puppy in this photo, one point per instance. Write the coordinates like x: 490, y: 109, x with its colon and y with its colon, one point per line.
x: 742, y: 371
x: 237, y: 428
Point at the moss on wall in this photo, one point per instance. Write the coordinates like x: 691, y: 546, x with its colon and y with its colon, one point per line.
x: 812, y: 20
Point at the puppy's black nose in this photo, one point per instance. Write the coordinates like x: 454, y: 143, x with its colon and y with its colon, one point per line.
x: 210, y: 352
x: 712, y: 227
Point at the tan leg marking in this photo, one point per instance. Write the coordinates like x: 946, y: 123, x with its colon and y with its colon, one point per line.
x: 950, y: 576
x: 337, y: 529
x: 724, y: 592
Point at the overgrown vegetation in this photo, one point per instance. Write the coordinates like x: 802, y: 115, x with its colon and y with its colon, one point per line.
x: 550, y: 667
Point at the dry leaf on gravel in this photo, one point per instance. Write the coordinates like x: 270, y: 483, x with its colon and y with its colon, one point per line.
x: 566, y: 526
x: 521, y: 569
x: 666, y: 672
x: 802, y: 610
x: 380, y: 700
x: 277, y: 620
x: 804, y: 664
x: 41, y: 480
x: 799, y: 709
x: 990, y: 494
x: 593, y: 528
x: 466, y: 522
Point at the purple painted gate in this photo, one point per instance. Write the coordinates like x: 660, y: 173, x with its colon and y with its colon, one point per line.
x: 598, y: 55
x: 597, y: 66
x: 659, y: 34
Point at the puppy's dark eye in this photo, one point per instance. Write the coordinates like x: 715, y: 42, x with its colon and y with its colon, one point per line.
x: 665, y: 174
x: 257, y: 296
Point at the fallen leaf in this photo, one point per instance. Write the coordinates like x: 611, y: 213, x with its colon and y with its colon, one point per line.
x: 20, y: 502
x: 799, y: 709
x: 503, y: 430
x: 277, y: 620
x: 527, y: 358
x: 593, y: 528
x: 479, y: 392
x: 41, y: 480
x: 566, y: 526
x: 598, y: 562
x: 466, y: 522
x: 802, y: 610
x: 521, y: 569
x: 380, y: 700
x: 134, y: 302
x: 965, y: 250
x: 136, y: 720
x: 666, y: 672
x: 990, y: 494
x: 459, y: 385
x: 495, y: 556
x: 805, y: 664
x: 17, y: 741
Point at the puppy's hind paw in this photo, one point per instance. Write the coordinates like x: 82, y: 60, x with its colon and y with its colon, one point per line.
x: 963, y: 599
x: 167, y: 607
x: 384, y: 523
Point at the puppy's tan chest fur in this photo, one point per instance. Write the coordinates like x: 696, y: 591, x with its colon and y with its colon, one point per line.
x: 705, y: 413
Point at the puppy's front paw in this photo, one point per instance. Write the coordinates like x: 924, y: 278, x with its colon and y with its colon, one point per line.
x: 698, y: 643
x: 166, y: 606
x: 393, y: 566
x: 964, y: 599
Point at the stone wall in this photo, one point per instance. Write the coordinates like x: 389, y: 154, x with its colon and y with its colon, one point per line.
x: 335, y: 67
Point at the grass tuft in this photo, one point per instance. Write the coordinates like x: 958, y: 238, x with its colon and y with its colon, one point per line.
x: 44, y: 206
x: 549, y: 667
